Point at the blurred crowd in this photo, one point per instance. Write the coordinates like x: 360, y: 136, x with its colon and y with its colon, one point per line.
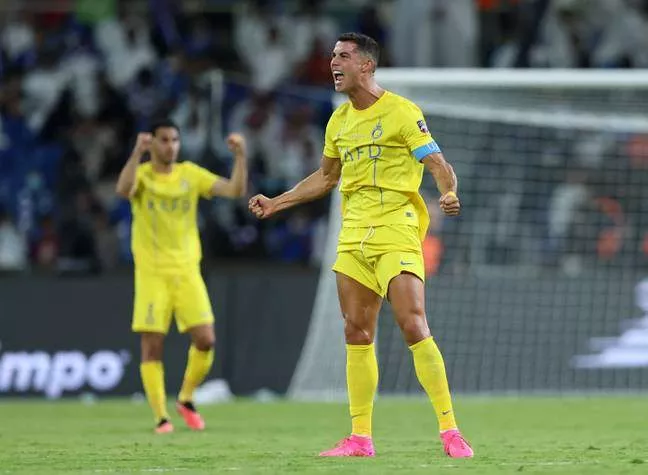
x: 79, y: 78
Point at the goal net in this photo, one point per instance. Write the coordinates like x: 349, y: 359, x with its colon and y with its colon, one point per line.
x: 539, y: 285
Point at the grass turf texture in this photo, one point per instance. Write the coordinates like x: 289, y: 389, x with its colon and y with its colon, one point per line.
x: 510, y: 435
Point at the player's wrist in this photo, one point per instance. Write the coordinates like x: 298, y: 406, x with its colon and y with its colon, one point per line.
x: 451, y: 193
x: 137, y: 154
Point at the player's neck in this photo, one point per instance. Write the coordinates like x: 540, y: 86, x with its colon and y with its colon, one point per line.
x: 365, y: 95
x: 160, y: 167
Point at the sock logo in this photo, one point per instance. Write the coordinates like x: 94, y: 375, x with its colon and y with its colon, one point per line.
x: 53, y: 374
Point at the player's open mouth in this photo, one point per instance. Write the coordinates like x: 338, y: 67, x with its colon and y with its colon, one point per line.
x: 337, y: 77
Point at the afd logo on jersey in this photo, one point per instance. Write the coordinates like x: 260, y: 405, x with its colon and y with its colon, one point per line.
x: 64, y: 371
x: 629, y: 349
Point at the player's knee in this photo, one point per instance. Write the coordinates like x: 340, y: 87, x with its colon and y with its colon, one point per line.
x: 205, y: 343
x: 152, y: 348
x: 415, y: 328
x: 356, y: 335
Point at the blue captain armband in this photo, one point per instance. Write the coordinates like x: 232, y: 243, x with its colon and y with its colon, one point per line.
x: 424, y: 150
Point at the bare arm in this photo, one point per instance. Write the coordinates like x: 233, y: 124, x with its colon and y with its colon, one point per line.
x: 314, y: 186
x: 446, y: 182
x: 126, y: 183
x: 236, y: 185
x: 443, y: 173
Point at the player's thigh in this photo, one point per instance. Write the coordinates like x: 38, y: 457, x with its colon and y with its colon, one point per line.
x: 360, y: 308
x: 152, y: 304
x: 351, y: 259
x: 393, y: 264
x: 192, y: 307
x: 398, y: 250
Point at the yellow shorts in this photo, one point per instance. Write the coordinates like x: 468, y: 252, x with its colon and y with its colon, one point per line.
x: 159, y: 297
x: 374, y: 256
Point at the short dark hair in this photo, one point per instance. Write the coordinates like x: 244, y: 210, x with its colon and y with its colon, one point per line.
x: 366, y: 44
x: 162, y: 124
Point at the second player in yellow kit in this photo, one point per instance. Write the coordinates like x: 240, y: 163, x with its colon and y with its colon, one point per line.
x: 166, y: 248
x: 164, y: 199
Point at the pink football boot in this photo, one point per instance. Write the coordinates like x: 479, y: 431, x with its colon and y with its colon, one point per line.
x: 352, y: 446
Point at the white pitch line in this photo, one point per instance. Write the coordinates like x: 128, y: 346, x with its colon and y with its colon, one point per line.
x: 142, y: 470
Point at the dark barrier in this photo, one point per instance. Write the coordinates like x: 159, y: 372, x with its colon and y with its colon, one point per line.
x: 62, y: 336
x: 547, y: 333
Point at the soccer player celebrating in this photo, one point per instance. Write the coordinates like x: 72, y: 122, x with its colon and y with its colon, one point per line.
x: 378, y: 144
x: 166, y: 248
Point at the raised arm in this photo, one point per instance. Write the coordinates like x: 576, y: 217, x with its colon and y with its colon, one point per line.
x: 446, y: 182
x: 126, y: 183
x: 314, y: 186
x: 236, y: 185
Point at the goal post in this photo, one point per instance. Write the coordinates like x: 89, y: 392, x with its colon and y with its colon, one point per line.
x: 537, y: 287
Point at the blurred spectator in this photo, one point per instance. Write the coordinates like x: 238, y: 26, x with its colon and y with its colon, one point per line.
x: 192, y: 116
x: 13, y: 122
x: 18, y: 36
x: 370, y: 24
x: 271, y: 64
x: 13, y: 249
x: 78, y: 251
x: 126, y: 44
x: 251, y: 29
x: 266, y: 48
x: 316, y: 68
x: 43, y: 86
x: 291, y: 240
x: 259, y: 119
x: 146, y: 98
x: 45, y: 249
x: 300, y: 149
x: 309, y: 25
x: 173, y: 75
x: 107, y: 241
x: 445, y: 33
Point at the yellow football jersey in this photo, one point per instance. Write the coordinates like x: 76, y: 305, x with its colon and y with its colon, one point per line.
x: 165, y: 237
x: 380, y: 148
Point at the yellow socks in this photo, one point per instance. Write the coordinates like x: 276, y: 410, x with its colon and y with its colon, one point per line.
x: 430, y: 371
x: 362, y: 382
x: 198, y: 365
x: 152, y: 373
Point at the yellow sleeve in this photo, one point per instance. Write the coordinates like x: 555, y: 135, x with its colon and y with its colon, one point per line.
x: 332, y: 127
x: 414, y: 130
x: 139, y: 173
x: 202, y: 179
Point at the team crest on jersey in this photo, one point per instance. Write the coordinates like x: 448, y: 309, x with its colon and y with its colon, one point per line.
x: 422, y: 127
x: 184, y: 185
x: 377, y: 131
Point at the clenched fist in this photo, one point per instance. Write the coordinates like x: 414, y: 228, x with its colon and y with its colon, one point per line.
x: 261, y: 206
x: 143, y: 143
x: 236, y: 144
x: 449, y: 203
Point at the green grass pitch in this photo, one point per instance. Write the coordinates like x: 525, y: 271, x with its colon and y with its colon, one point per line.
x: 510, y: 435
